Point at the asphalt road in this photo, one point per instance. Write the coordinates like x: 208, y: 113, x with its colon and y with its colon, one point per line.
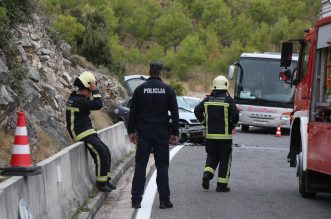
x: 262, y: 185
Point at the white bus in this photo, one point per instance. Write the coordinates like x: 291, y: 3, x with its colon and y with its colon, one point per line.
x: 262, y: 99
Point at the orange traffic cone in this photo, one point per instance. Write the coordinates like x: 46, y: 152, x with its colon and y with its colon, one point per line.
x: 20, y: 163
x: 278, y: 132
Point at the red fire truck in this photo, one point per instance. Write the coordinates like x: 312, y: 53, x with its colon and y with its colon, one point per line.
x: 310, y: 144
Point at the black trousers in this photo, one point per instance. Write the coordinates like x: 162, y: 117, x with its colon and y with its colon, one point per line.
x: 159, y: 143
x: 101, y: 156
x: 219, y: 153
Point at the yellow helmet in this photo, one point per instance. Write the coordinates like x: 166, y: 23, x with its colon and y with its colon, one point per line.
x: 221, y: 83
x: 84, y: 80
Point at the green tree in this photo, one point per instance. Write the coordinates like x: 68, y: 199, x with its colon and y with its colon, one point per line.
x: 133, y: 55
x: 111, y: 21
x: 261, y: 38
x: 118, y: 51
x: 155, y: 52
x: 142, y: 21
x: 281, y: 31
x: 123, y: 10
x: 242, y: 30
x: 213, y: 50
x: 196, y: 9
x: 191, y: 53
x: 172, y: 27
x: 229, y: 55
x: 96, y: 47
x: 19, y: 11
x: 192, y: 50
x: 217, y: 17
x: 263, y: 11
x: 69, y: 28
x: 302, y: 10
x: 136, y: 31
x: 4, y: 27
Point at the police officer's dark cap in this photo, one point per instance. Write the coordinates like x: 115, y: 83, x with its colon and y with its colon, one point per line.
x: 156, y: 66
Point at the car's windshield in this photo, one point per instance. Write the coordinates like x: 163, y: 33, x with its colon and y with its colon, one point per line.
x: 182, y: 103
x: 134, y: 83
x: 260, y: 81
x: 187, y: 103
x: 192, y: 101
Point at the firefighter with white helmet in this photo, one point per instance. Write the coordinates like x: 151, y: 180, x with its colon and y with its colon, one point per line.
x: 220, y: 115
x: 79, y: 125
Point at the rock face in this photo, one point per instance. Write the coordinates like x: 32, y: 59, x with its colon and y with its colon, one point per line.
x: 48, y: 83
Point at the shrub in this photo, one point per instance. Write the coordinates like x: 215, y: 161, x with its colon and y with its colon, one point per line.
x: 95, y: 47
x: 69, y: 28
x: 178, y: 87
x: 18, y: 74
x: 81, y: 61
x: 6, y: 141
x: 19, y: 11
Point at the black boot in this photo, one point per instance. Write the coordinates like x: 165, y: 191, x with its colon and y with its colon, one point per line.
x: 110, y: 185
x: 136, y: 204
x: 164, y: 204
x: 222, y: 187
x: 292, y: 159
x: 102, y: 187
x: 205, y: 180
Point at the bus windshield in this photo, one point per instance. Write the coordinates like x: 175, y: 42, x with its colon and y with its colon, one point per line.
x: 260, y: 82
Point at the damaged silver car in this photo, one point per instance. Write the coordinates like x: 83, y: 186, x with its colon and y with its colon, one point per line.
x: 189, y: 127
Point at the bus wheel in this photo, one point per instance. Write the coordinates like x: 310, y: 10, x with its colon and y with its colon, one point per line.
x: 304, y: 180
x: 245, y: 128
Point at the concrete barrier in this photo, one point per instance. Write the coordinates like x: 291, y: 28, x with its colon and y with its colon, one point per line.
x: 66, y: 181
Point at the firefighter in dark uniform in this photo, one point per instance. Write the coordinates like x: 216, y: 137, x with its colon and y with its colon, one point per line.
x: 220, y: 115
x: 149, y: 128
x: 78, y: 107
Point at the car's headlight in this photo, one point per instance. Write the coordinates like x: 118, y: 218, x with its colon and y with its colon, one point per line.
x: 285, y: 116
x: 116, y: 111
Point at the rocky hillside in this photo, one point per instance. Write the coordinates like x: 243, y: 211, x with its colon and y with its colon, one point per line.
x: 51, y: 71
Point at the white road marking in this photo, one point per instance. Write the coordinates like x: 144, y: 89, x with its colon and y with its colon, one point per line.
x: 148, y: 198
x: 262, y: 148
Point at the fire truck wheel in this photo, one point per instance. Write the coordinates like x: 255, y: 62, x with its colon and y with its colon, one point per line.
x: 304, y: 180
x: 245, y: 128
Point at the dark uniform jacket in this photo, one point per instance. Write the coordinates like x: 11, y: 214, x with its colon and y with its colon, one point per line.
x: 219, y: 113
x: 78, y: 109
x: 150, y: 106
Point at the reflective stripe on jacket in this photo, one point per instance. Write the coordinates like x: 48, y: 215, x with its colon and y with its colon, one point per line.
x: 219, y: 114
x: 78, y: 108
x: 217, y: 121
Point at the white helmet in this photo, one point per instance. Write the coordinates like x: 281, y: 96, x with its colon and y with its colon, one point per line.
x: 221, y: 83
x: 84, y: 80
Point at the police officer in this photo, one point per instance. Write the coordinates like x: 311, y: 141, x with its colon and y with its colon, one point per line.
x: 78, y: 107
x: 220, y: 115
x: 149, y: 129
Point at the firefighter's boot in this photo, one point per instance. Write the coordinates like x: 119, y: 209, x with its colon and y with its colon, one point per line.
x: 110, y: 185
x: 222, y: 187
x: 103, y: 187
x: 205, y: 180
